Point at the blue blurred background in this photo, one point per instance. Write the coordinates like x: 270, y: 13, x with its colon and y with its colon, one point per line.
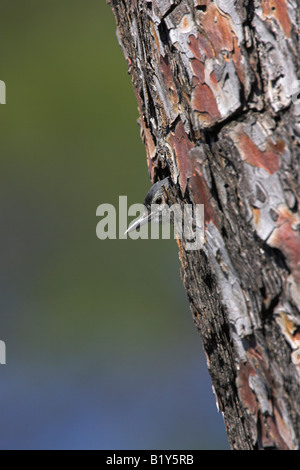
x: 102, y: 352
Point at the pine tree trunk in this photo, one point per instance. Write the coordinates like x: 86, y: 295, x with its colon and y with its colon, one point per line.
x: 216, y: 85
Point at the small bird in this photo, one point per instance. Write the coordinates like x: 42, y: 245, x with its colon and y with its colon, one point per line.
x: 157, y: 198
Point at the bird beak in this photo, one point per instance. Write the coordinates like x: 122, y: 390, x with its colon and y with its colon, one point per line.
x: 144, y: 219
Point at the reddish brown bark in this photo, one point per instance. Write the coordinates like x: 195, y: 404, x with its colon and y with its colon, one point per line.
x: 216, y: 85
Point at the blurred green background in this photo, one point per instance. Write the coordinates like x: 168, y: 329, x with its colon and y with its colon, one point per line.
x: 101, y: 348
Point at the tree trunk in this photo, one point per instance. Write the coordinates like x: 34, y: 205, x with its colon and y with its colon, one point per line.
x: 216, y: 85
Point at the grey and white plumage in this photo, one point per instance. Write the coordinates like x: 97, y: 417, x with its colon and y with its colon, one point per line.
x: 155, y: 204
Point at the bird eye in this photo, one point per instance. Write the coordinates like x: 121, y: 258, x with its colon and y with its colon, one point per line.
x: 158, y: 200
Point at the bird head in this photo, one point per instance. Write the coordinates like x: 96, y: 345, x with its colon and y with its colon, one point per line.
x: 156, y: 205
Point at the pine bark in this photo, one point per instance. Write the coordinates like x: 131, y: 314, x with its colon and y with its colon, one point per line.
x: 217, y: 85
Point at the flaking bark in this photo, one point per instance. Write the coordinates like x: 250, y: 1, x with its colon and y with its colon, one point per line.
x: 216, y: 86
